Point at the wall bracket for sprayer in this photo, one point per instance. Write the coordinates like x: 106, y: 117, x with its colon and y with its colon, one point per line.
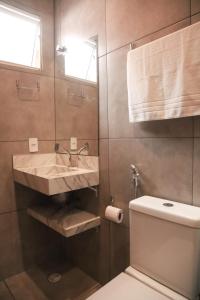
x: 135, y: 178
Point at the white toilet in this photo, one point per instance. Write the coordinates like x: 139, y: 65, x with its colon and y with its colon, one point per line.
x: 164, y: 253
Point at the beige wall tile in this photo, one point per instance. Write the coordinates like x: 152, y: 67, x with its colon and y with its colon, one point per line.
x: 181, y: 127
x: 132, y: 19
x: 8, y: 200
x: 10, y: 247
x: 196, y: 172
x: 4, y: 292
x: 165, y: 165
x: 195, y: 6
x: 76, y: 116
x: 21, y: 119
x: 121, y: 189
x: 94, y: 260
x: 163, y: 32
x: 119, y: 249
x: 89, y: 17
x: 42, y: 245
x: 195, y: 18
x: 104, y: 191
x: 103, y: 98
x: 93, y: 145
x: 44, y: 5
x: 119, y: 125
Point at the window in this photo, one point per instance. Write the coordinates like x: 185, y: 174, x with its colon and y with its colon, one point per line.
x: 19, y: 37
x: 81, y: 60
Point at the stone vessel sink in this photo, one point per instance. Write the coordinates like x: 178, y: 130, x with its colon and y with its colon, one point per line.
x: 52, y: 173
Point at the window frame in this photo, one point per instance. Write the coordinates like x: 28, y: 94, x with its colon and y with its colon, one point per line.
x: 33, y: 14
x: 89, y: 82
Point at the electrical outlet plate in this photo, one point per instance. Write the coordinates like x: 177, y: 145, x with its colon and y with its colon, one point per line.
x: 73, y: 143
x: 33, y: 144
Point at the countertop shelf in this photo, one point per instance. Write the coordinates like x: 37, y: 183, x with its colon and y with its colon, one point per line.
x: 64, y: 221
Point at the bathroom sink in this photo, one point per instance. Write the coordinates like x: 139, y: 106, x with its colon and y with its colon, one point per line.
x: 51, y: 174
x: 54, y: 171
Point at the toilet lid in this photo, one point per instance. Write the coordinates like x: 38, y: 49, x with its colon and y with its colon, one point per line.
x: 126, y: 287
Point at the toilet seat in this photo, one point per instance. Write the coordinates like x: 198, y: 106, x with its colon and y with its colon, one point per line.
x: 128, y: 287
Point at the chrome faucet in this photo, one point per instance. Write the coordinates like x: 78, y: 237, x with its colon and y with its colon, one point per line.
x: 66, y: 151
x: 84, y: 147
x: 135, y: 178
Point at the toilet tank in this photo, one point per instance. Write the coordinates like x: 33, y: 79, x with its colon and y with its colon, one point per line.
x: 165, y: 243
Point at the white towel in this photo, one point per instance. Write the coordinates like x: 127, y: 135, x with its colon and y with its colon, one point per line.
x: 163, y: 77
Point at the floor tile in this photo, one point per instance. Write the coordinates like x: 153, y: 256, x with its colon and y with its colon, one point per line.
x: 34, y: 284
x: 4, y: 292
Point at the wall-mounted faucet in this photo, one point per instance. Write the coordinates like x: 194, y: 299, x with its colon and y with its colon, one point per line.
x: 135, y: 178
x: 65, y: 151
x: 84, y: 147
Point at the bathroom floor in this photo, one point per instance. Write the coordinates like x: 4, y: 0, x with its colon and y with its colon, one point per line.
x: 34, y: 285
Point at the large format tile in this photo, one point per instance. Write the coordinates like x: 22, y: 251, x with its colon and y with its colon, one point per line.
x: 103, y: 98
x: 10, y: 247
x: 119, y: 246
x: 132, y: 19
x: 94, y: 260
x: 89, y: 17
x: 196, y: 173
x: 20, y: 119
x: 39, y: 243
x: 195, y: 6
x: 93, y: 145
x: 121, y: 189
x: 104, y: 191
x: 4, y: 292
x: 10, y: 201
x: 33, y: 284
x: 44, y: 6
x: 195, y: 18
x: 119, y: 125
x: 165, y: 165
x: 76, y: 114
x: 23, y: 287
x: 163, y: 32
x: 180, y: 127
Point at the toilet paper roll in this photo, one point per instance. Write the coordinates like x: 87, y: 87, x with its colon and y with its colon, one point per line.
x: 114, y: 214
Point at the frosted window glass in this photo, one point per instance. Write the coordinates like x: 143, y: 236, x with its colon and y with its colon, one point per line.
x: 81, y: 60
x: 19, y: 37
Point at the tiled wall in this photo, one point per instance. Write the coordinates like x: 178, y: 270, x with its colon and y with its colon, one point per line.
x: 23, y: 240
x: 166, y: 152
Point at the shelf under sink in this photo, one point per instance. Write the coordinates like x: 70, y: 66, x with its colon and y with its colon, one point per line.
x: 64, y: 221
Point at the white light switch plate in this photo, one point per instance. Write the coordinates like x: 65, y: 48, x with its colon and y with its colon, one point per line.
x: 73, y: 143
x: 33, y: 144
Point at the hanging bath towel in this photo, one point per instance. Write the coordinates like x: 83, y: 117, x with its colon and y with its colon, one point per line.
x: 163, y: 77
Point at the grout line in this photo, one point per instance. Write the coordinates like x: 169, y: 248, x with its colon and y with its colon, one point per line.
x: 12, y: 211
x: 153, y: 137
x: 10, y: 292
x: 193, y: 155
x: 26, y: 140
x: 144, y: 36
x: 197, y: 13
x: 54, y: 82
x: 17, y: 69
